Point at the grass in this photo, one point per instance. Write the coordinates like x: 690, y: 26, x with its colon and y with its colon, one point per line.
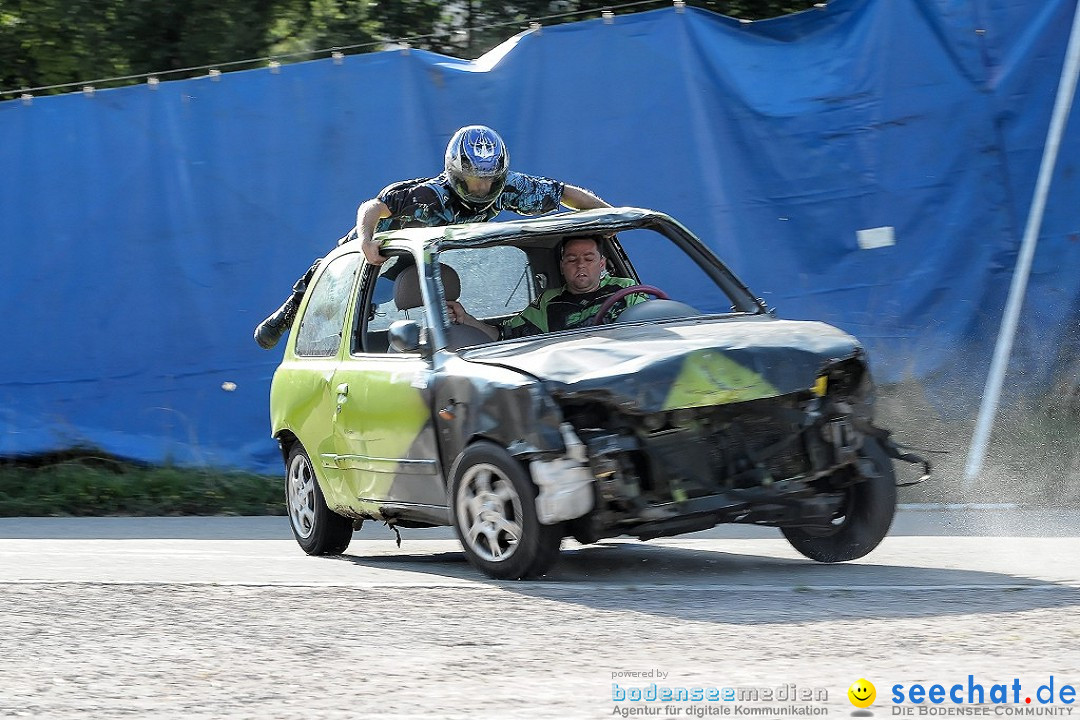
x: 85, y: 482
x: 1033, y: 459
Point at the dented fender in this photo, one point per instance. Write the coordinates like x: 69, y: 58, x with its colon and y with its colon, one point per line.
x: 515, y: 411
x: 507, y: 407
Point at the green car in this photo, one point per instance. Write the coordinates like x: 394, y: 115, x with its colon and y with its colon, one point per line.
x: 681, y: 404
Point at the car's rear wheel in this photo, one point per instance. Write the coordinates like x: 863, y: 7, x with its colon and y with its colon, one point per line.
x: 494, y: 507
x: 864, y: 517
x: 317, y: 528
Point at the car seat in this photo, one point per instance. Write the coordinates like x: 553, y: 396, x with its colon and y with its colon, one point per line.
x: 407, y: 295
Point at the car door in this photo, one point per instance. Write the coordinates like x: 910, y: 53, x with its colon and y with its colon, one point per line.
x: 302, y: 391
x: 383, y: 432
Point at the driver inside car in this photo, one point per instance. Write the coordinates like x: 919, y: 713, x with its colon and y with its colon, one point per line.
x: 574, y: 304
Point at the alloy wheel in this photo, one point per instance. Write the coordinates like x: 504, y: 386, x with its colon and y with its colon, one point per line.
x: 489, y: 512
x: 301, y: 496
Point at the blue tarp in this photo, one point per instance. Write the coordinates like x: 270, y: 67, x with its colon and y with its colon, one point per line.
x: 147, y: 230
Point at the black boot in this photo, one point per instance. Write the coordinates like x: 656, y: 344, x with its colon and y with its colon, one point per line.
x: 272, y: 328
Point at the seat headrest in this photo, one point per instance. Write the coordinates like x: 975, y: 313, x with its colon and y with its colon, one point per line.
x: 407, y: 287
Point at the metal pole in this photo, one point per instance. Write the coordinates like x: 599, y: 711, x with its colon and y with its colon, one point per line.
x: 992, y: 393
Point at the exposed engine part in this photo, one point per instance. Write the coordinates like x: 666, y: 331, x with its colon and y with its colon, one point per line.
x: 565, y: 483
x: 790, y: 457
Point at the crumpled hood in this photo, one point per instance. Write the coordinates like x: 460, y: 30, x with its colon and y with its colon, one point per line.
x: 688, y: 363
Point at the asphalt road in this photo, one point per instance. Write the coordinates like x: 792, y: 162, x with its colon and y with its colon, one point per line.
x: 225, y: 617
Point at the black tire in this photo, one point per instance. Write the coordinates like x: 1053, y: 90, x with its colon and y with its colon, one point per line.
x: 493, y: 501
x: 864, y: 520
x: 317, y: 529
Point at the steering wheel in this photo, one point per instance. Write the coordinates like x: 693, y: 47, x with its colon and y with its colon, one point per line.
x: 623, y: 292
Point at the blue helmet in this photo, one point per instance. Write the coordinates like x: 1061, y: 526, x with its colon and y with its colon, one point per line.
x: 477, y: 152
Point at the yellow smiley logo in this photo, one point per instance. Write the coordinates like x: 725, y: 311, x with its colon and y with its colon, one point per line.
x: 862, y: 693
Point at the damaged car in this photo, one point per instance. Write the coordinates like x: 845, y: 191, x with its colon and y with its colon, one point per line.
x: 691, y: 406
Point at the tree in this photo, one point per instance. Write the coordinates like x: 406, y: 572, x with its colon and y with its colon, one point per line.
x: 68, y: 42
x: 49, y: 42
x: 496, y: 20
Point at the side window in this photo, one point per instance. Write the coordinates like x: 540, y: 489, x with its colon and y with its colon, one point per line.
x: 495, y: 282
x: 384, y: 310
x: 319, y: 333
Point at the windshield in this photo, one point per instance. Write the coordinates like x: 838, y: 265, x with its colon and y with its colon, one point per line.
x: 660, y: 262
x: 549, y: 283
x: 530, y: 283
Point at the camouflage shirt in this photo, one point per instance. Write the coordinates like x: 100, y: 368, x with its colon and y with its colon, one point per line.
x: 429, y: 202
x: 560, y: 309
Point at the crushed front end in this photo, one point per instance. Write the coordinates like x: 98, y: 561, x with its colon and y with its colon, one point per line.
x: 783, y: 461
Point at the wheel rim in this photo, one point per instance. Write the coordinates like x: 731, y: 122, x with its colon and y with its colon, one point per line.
x: 489, y: 513
x: 300, y: 495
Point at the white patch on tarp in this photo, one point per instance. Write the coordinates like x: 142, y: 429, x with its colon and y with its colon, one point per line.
x: 878, y: 237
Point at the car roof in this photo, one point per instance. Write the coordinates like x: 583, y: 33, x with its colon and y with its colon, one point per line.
x: 602, y: 220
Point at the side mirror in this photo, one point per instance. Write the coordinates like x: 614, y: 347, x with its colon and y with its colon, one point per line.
x: 404, y: 335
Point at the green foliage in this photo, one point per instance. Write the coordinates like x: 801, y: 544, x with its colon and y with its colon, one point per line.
x: 67, y: 42
x: 303, y: 27
x: 510, y: 17
x: 46, y: 42
x: 86, y: 484
x: 425, y: 22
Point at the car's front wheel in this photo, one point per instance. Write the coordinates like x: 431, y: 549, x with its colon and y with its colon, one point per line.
x: 318, y: 529
x: 864, y: 517
x: 494, y: 506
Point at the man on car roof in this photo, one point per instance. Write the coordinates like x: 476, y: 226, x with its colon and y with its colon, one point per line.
x: 475, y: 185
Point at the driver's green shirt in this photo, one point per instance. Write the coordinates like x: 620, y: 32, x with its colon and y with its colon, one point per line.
x: 560, y: 309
